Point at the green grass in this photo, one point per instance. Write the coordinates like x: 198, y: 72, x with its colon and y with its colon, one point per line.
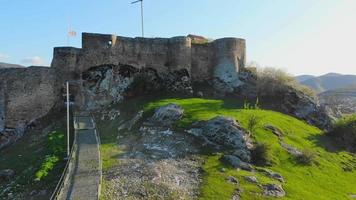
x: 37, y: 160
x: 325, y: 179
x: 56, y: 151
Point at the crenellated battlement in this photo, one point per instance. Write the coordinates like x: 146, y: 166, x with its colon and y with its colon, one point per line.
x: 163, y: 54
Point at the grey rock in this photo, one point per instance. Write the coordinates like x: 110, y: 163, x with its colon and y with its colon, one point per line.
x: 200, y: 94
x: 272, y: 174
x: 232, y: 179
x: 6, y: 175
x: 307, y: 108
x: 129, y: 124
x: 166, y: 115
x: 235, y: 197
x: 274, y: 130
x: 235, y: 162
x: 243, y: 155
x: 222, y: 133
x: 111, y: 115
x: 292, y: 150
x: 251, y: 179
x: 273, y: 190
x: 33, y: 192
x: 10, y: 195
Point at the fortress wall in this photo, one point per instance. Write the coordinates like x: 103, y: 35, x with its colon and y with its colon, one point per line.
x: 29, y: 94
x: 66, y: 59
x: 162, y: 54
x: 202, y: 62
x: 232, y: 50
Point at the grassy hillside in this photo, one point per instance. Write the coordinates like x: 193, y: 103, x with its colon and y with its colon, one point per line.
x: 332, y: 175
x: 37, y: 160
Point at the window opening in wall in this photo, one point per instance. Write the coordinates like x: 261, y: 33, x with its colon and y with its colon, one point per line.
x: 109, y: 43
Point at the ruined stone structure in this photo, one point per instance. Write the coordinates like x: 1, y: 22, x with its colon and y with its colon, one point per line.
x: 107, y: 66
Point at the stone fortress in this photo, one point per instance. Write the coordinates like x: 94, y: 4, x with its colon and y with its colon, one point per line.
x: 106, y: 67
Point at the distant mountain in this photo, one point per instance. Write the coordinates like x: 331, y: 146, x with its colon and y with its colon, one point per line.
x: 302, y: 78
x: 8, y: 65
x: 327, y: 82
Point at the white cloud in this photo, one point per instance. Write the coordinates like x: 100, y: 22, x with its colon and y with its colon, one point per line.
x: 35, y: 60
x: 3, y: 57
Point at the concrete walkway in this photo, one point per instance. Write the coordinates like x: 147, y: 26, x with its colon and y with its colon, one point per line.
x: 84, y: 176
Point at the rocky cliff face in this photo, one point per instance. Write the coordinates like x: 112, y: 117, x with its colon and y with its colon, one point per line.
x: 304, y: 107
x: 108, y: 84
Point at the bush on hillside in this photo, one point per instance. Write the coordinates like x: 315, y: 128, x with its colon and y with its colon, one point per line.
x: 273, y: 82
x: 262, y: 155
x: 307, y: 157
x: 344, y: 131
x: 253, y: 122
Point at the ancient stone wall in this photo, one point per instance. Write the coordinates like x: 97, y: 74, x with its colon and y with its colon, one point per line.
x: 162, y: 54
x: 26, y: 94
x: 30, y: 93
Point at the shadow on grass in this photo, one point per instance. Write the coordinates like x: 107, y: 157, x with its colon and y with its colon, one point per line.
x: 328, y: 143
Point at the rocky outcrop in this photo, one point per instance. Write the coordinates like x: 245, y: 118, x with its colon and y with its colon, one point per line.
x: 108, y: 84
x: 273, y: 190
x: 221, y: 133
x: 225, y: 134
x: 307, y: 108
x: 272, y: 174
x: 235, y: 162
x: 166, y: 115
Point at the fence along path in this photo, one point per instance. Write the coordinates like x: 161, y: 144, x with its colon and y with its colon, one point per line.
x: 84, y: 172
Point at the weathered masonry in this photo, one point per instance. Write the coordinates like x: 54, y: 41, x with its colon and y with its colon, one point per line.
x: 107, y: 68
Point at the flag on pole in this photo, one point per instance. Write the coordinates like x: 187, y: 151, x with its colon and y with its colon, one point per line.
x: 72, y: 33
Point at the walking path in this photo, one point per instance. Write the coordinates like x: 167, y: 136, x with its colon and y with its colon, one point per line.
x: 84, y: 174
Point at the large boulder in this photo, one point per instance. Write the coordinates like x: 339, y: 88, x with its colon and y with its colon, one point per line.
x: 166, y: 115
x: 223, y: 133
x: 273, y: 190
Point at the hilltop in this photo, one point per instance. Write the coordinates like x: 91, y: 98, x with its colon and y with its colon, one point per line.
x: 138, y: 153
x: 330, y: 81
x: 8, y: 65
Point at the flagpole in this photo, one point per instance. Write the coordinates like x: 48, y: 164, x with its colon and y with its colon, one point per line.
x: 142, y: 24
x: 143, y: 33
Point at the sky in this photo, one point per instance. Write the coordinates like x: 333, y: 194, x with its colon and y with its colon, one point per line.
x: 301, y: 36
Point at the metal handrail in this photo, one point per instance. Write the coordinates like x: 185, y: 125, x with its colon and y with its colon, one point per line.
x: 100, y: 163
x: 60, y: 183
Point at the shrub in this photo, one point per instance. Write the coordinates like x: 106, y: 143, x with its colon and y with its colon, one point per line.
x: 272, y: 82
x: 252, y: 123
x: 262, y: 155
x: 307, y: 157
x: 344, y: 131
x: 248, y: 106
